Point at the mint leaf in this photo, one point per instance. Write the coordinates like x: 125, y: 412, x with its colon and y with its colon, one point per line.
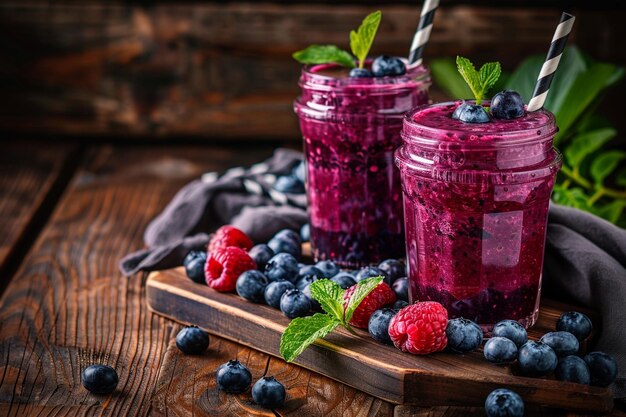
x: 489, y: 74
x: 303, y: 331
x: 324, y: 54
x: 469, y: 74
x: 330, y: 296
x: 479, y: 81
x: 604, y: 164
x: 361, y: 40
x: 363, y: 288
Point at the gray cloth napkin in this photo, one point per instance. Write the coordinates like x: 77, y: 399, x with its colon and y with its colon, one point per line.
x: 585, y: 256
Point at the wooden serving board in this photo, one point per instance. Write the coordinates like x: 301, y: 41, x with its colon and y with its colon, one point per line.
x: 361, y: 362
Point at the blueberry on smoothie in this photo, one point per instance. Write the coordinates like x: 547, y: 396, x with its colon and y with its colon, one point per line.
x: 361, y: 73
x: 471, y: 113
x: 507, y: 104
x: 386, y: 65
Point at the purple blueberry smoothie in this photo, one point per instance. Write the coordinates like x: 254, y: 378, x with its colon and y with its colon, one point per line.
x: 351, y: 128
x: 476, y: 202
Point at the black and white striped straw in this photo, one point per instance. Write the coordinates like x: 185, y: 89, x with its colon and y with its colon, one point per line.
x: 423, y: 32
x: 552, y: 62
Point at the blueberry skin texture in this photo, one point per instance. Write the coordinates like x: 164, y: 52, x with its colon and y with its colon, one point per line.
x: 261, y: 254
x: 284, y: 245
x: 385, y: 65
x: 471, y: 113
x: 315, y: 305
x: 378, y: 326
x: 563, y: 343
x: 504, y: 403
x: 269, y: 393
x: 251, y: 286
x: 602, y: 368
x: 361, y: 73
x: 328, y: 268
x: 288, y: 234
x: 536, y: 359
x: 463, y: 335
x: 294, y: 303
x: 233, y: 377
x: 305, y: 232
x: 344, y: 280
x: 275, y: 290
x: 310, y: 271
x: 572, y: 369
x: 507, y: 104
x: 194, y: 266
x: 512, y: 330
x: 282, y: 266
x: 500, y: 350
x: 99, y: 379
x: 401, y: 288
x: 289, y: 184
x: 394, y: 269
x: 369, y: 272
x: 399, y: 305
x: 576, y: 323
x: 192, y: 341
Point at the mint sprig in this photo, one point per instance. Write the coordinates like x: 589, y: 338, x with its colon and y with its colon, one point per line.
x: 361, y: 40
x: 478, y: 81
x: 304, y: 331
x: 324, y: 54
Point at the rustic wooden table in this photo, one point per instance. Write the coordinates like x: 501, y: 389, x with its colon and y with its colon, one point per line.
x: 68, y: 212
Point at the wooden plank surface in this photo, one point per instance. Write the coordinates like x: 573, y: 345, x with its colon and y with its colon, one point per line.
x: 361, y: 362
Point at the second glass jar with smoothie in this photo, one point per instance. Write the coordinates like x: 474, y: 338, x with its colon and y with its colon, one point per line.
x: 351, y: 128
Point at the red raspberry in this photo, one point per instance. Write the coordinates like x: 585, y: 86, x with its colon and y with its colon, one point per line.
x: 420, y: 328
x: 227, y: 236
x: 378, y: 298
x: 224, y: 265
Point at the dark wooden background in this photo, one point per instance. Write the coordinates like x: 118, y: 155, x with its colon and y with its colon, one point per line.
x: 222, y: 69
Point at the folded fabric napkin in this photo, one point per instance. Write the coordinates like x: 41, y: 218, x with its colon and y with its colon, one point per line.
x: 585, y: 256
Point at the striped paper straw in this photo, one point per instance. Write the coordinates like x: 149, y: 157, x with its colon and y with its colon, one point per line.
x: 423, y: 32
x: 552, y: 62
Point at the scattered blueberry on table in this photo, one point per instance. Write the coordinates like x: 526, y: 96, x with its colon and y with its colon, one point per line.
x: 399, y: 304
x: 572, y: 369
x: 233, y: 377
x: 275, y: 290
x: 401, y: 288
x: 192, y: 340
x: 294, y: 303
x: 194, y: 266
x: 602, y: 368
x: 504, y: 403
x: 282, y: 266
x: 371, y: 271
x: 268, y: 392
x: 378, y: 325
x: 463, y: 335
x: 394, y: 269
x: 563, y: 343
x: 99, y: 379
x: 261, y: 254
x: 306, y: 275
x: 576, y: 323
x: 500, y: 350
x: 344, y: 279
x: 536, y: 359
x: 251, y: 286
x: 329, y: 268
x: 511, y: 330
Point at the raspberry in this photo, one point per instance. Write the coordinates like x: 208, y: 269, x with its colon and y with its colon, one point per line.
x: 227, y: 236
x: 378, y: 298
x: 420, y: 328
x: 224, y: 265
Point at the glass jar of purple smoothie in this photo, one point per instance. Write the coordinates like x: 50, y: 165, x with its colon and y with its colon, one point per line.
x: 351, y: 128
x: 476, y: 200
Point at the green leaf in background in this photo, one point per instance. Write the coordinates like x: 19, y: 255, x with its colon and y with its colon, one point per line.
x: 620, y: 178
x: 361, y: 40
x: 572, y: 197
x: 324, y: 54
x: 612, y: 211
x: 586, y: 143
x: 604, y: 164
x: 303, y: 331
x: 363, y: 288
x: 330, y: 296
x: 447, y: 77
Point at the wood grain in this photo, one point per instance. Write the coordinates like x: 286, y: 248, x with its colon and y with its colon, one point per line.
x: 361, y: 362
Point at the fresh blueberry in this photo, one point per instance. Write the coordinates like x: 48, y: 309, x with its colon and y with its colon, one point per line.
x: 251, y: 286
x: 283, y: 245
x: 507, y: 104
x: 576, y: 323
x: 500, y: 350
x: 562, y: 343
x: 536, y: 359
x: 386, y: 65
x: 282, y: 266
x: 289, y: 184
x: 275, y: 290
x: 288, y: 234
x: 572, y: 369
x: 378, y: 325
x: 512, y: 330
x: 344, y: 279
x: 504, y: 403
x: 471, y: 113
x: 233, y: 377
x: 269, y: 393
x: 192, y: 341
x: 463, y: 335
x: 399, y: 305
x: 401, y: 288
x: 328, y: 268
x: 99, y: 379
x: 369, y: 272
x: 261, y: 254
x: 305, y: 232
x: 393, y: 268
x: 299, y: 171
x: 307, y: 274
x: 361, y: 73
x: 194, y: 266
x: 315, y: 305
x: 294, y: 303
x: 602, y: 368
